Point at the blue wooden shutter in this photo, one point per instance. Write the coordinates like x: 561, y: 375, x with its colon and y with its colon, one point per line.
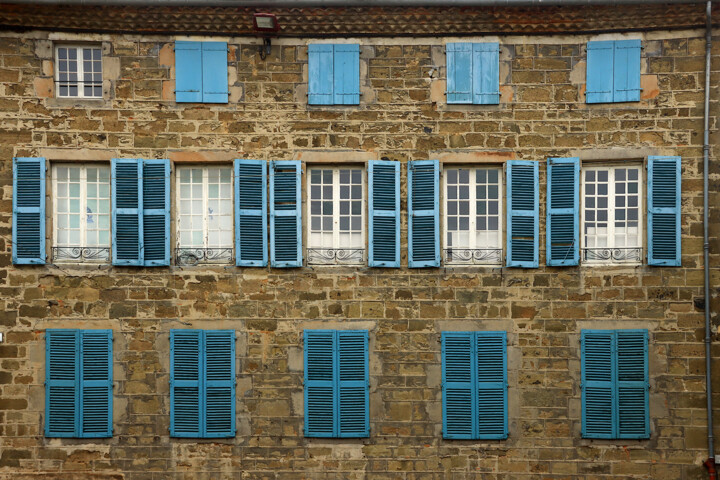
x: 62, y: 372
x: 459, y: 72
x: 600, y: 68
x: 491, y: 385
x: 214, y: 72
x: 28, y: 232
x: 96, y: 388
x: 346, y: 74
x: 459, y: 374
x: 126, y: 211
x: 320, y: 74
x: 219, y: 384
x: 185, y: 383
x: 352, y: 384
x: 320, y: 408
x: 156, y: 212
x: 626, y: 69
x: 251, y: 213
x: 522, y: 214
x: 384, y: 212
x: 486, y: 73
x: 189, y: 72
x: 423, y: 213
x: 562, y: 224
x: 285, y: 217
x: 632, y: 384
x: 598, y: 383
x: 663, y: 201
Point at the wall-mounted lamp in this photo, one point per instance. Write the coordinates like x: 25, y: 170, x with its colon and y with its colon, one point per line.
x: 265, y: 24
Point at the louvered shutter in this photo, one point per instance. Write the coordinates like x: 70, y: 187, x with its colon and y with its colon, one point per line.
x: 28, y: 232
x: 459, y: 72
x: 598, y: 383
x: 62, y: 371
x: 491, y: 385
x: 632, y: 384
x: 320, y: 408
x: 459, y: 372
x: 384, y: 211
x: 126, y: 211
x: 352, y: 383
x: 219, y: 387
x: 486, y: 73
x: 214, y: 72
x: 626, y: 71
x: 600, y: 68
x: 423, y: 214
x: 189, y: 72
x: 320, y: 74
x: 285, y: 217
x: 186, y: 410
x: 96, y: 389
x: 663, y: 201
x: 522, y: 214
x: 156, y: 212
x: 346, y: 74
x: 251, y: 213
x: 563, y: 211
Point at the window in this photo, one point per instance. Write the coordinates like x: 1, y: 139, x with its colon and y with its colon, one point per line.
x: 473, y: 74
x: 205, y: 215
x: 615, y: 384
x: 334, y: 74
x: 336, y: 213
x: 611, y: 209
x: 81, y: 195
x: 78, y: 71
x: 474, y: 385
x: 201, y: 72
x: 78, y: 383
x: 613, y: 71
x: 336, y: 383
x: 202, y: 383
x: 473, y: 225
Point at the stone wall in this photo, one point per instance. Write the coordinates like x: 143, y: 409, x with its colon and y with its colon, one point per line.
x: 402, y: 116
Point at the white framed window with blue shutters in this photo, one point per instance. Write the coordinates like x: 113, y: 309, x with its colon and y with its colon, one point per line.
x: 333, y: 74
x: 336, y: 384
x: 474, y: 385
x: 473, y: 73
x: 613, y: 71
x: 28, y: 217
x: 201, y: 72
x: 615, y: 386
x: 78, y: 383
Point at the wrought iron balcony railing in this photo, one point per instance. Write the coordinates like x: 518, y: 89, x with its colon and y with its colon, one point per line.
x: 335, y: 256
x: 612, y: 255
x: 81, y: 254
x: 194, y: 256
x: 472, y: 256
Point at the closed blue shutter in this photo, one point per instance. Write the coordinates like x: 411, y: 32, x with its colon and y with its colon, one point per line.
x: 600, y: 68
x: 485, y: 73
x: 214, y: 72
x: 663, y: 201
x: 563, y: 211
x: 320, y: 74
x: 384, y: 212
x: 285, y: 217
x: 522, y: 214
x: 126, y: 211
x: 251, y: 213
x: 219, y: 385
x: 491, y: 385
x: 96, y: 389
x: 28, y: 232
x: 352, y: 384
x: 320, y: 408
x: 156, y: 212
x: 458, y: 385
x: 599, y: 412
x: 346, y: 78
x: 62, y: 372
x: 189, y: 72
x: 459, y: 72
x: 185, y: 383
x: 423, y: 213
x: 632, y: 384
x: 626, y: 78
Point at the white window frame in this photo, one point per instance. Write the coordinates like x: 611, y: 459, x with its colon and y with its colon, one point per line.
x: 611, y: 167
x: 472, y: 261
x: 80, y: 71
x: 336, y: 215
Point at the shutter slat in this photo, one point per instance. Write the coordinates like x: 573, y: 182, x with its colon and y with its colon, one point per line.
x: 384, y: 212
x: 346, y: 74
x: 62, y: 352
x: 214, y: 72
x: 251, y: 213
x: 562, y: 211
x: 423, y: 214
x: 96, y: 383
x: 352, y: 389
x: 319, y: 383
x: 320, y: 74
x: 600, y: 71
x: 219, y: 383
x: 126, y: 217
x: 156, y: 212
x: 522, y: 214
x: 458, y: 371
x: 664, y: 239
x: 598, y: 363
x: 486, y: 73
x: 285, y: 214
x: 632, y: 380
x: 185, y: 383
x: 459, y: 72
x: 626, y: 82
x: 188, y: 72
x: 28, y: 232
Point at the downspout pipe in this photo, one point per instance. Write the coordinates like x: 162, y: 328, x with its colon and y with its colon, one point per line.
x: 346, y: 3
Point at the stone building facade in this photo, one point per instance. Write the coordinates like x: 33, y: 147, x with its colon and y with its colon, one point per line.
x: 402, y: 116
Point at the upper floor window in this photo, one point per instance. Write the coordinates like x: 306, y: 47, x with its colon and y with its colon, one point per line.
x: 201, y: 72
x: 613, y: 71
x: 473, y: 74
x: 78, y: 71
x: 333, y: 74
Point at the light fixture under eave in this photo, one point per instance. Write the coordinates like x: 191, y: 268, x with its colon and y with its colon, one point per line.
x: 265, y: 24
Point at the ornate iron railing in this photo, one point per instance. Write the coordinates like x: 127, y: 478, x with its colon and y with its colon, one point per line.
x: 473, y: 256
x: 612, y: 255
x: 335, y: 256
x: 81, y: 254
x: 194, y: 256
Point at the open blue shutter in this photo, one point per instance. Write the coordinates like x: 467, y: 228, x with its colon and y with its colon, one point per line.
x: 320, y: 408
x: 423, y: 213
x: 126, y: 211
x: 663, y: 201
x: 458, y: 384
x: 214, y: 72
x: 156, y: 212
x: 62, y: 372
x: 632, y: 384
x: 346, y: 74
x: 384, y: 212
x: 600, y: 68
x: 352, y: 384
x: 219, y: 388
x: 251, y: 213
x: 459, y: 72
x: 626, y: 78
x: 320, y: 74
x: 285, y: 217
x: 491, y: 385
x: 598, y: 383
x: 522, y: 214
x: 96, y: 389
x: 28, y: 232
x: 189, y: 72
x: 486, y: 73
x: 186, y: 411
x: 562, y: 224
